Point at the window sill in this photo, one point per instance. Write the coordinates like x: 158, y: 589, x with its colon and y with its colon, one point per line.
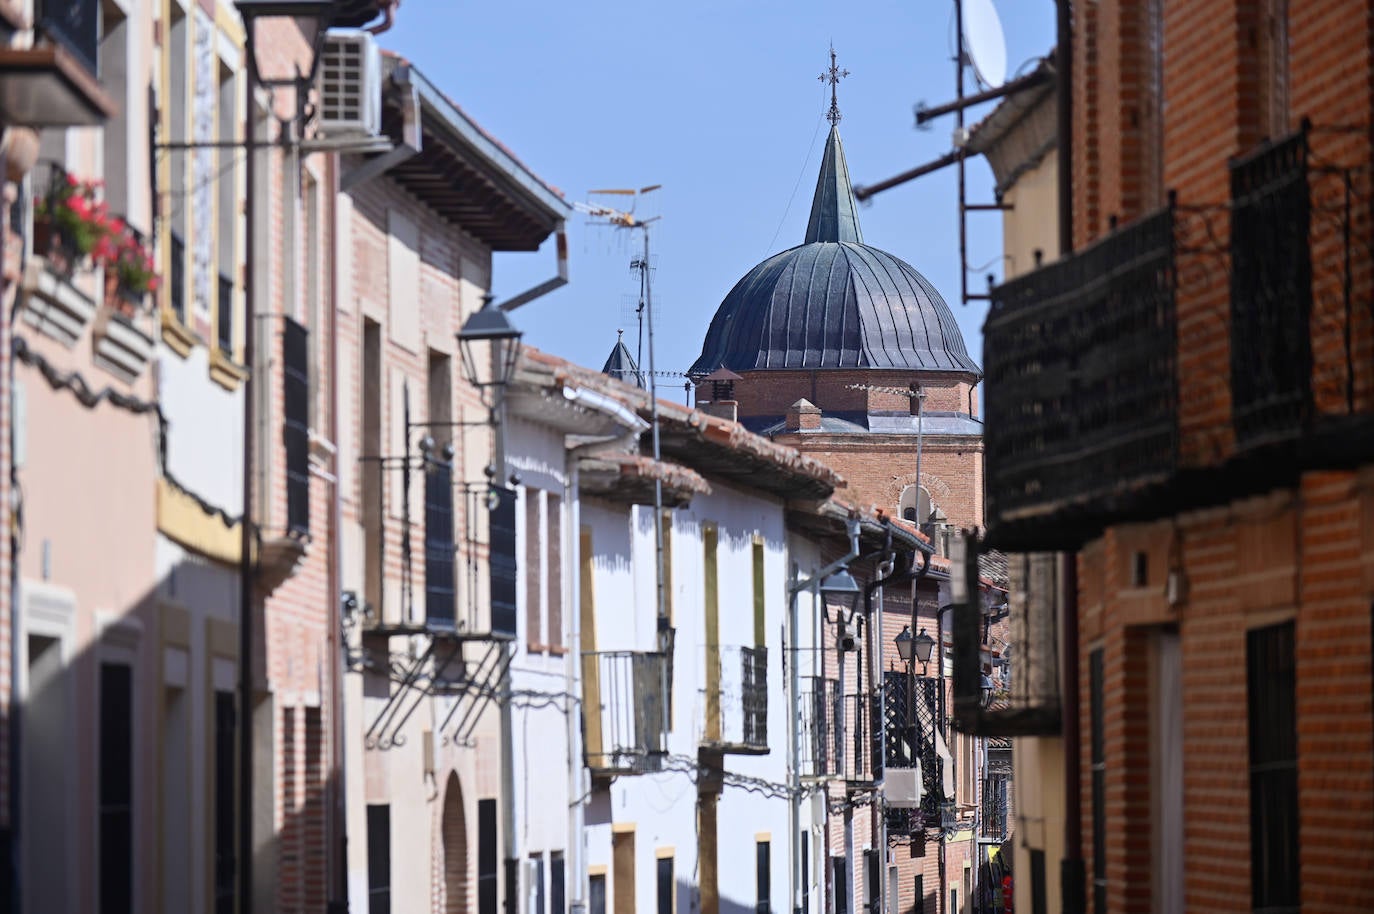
x: 558, y: 650
x: 224, y: 371
x: 180, y: 338
x: 534, y: 647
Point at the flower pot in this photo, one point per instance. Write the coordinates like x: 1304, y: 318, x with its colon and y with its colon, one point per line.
x: 54, y: 247
x: 120, y: 298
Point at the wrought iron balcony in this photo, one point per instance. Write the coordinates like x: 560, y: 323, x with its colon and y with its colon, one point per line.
x: 914, y: 710
x: 736, y: 700
x: 625, y: 712
x: 1271, y: 293
x: 1082, y: 394
x: 819, y: 710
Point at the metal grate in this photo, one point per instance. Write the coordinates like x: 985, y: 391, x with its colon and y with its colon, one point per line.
x: 819, y: 697
x: 440, y: 582
x: 632, y: 715
x: 754, y: 694
x: 1082, y: 394
x: 1271, y: 293
x: 296, y: 425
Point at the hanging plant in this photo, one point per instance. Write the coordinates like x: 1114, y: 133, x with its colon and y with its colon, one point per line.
x: 69, y: 221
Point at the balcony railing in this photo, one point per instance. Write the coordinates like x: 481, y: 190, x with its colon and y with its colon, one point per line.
x: 1271, y: 293
x: 625, y: 712
x: 1082, y: 394
x: 736, y: 709
x: 911, y: 727
x: 819, y: 710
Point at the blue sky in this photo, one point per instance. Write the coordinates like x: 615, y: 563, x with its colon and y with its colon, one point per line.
x: 720, y: 103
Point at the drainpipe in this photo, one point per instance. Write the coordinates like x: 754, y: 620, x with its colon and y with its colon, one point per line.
x: 577, y: 784
x: 337, y: 811
x: 16, y: 633
x: 794, y: 588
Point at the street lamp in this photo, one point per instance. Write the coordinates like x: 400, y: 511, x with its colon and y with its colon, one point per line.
x: 313, y: 17
x: 922, y: 646
x: 903, y: 642
x: 493, y: 369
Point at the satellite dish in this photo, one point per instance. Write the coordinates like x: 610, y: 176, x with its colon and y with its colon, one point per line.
x: 984, y: 42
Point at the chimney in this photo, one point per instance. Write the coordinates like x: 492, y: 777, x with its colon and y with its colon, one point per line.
x: 723, y: 409
x: 803, y: 416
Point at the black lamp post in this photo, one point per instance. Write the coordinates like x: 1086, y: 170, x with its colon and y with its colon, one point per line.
x: 313, y: 17
x: 491, y: 370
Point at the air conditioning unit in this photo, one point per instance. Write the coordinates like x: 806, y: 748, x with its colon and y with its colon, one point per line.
x: 350, y: 85
x: 902, y: 787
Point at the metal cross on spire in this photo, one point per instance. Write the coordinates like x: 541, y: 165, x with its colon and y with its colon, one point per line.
x: 833, y: 76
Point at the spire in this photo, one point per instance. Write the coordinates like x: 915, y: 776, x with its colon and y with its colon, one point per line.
x: 621, y: 365
x: 834, y: 211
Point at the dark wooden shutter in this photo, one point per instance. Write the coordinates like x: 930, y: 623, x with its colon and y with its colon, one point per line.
x: 440, y: 599
x: 486, y: 857
x: 665, y: 885
x: 504, y: 566
x: 296, y: 424
x: 763, y: 865
x: 557, y: 884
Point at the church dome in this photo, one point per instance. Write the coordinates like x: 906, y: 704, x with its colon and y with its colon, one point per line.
x: 833, y: 301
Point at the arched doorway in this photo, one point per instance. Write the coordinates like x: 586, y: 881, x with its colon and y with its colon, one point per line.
x: 454, y: 833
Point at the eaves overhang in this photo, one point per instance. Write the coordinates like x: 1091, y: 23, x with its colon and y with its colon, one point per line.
x: 633, y: 479
x: 464, y: 174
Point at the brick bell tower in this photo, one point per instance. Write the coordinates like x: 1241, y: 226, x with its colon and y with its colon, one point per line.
x: 847, y: 353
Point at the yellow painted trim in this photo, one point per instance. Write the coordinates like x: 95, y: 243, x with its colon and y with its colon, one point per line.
x: 591, y: 670
x: 180, y: 338
x: 665, y: 853
x: 224, y: 371
x: 622, y: 828
x: 760, y: 594
x: 596, y: 869
x: 760, y: 836
x: 182, y: 519
x: 709, y: 538
x: 229, y: 24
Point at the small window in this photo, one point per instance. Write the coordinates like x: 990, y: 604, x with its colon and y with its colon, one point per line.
x: 1272, y: 699
x: 764, y: 878
x: 805, y: 872
x: 596, y: 894
x: 920, y: 894
x: 1140, y: 569
x: 841, y: 884
x: 665, y: 885
x: 1099, y: 784
x: 557, y: 884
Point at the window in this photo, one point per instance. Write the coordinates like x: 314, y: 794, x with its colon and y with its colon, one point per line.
x: 226, y: 849
x: 379, y: 859
x: 596, y: 894
x: 760, y: 604
x: 178, y: 131
x: 873, y: 880
x: 116, y: 837
x: 762, y: 876
x: 1099, y: 775
x: 486, y: 857
x: 841, y: 885
x: 665, y: 885
x: 503, y: 564
x: 920, y: 894
x: 1039, y: 905
x: 557, y: 884
x: 296, y: 425
x: 805, y: 872
x: 1271, y: 697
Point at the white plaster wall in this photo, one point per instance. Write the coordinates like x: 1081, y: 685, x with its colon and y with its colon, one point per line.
x: 204, y: 429
x: 662, y: 806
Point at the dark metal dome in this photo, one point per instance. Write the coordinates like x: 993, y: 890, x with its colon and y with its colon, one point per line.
x: 834, y: 302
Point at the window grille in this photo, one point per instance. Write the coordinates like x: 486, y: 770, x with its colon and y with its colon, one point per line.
x: 440, y: 581
x: 296, y: 425
x: 1272, y: 701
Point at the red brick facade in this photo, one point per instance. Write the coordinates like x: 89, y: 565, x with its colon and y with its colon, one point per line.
x: 1298, y: 553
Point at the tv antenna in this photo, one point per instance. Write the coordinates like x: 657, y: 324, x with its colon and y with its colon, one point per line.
x: 985, y: 43
x: 640, y: 264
